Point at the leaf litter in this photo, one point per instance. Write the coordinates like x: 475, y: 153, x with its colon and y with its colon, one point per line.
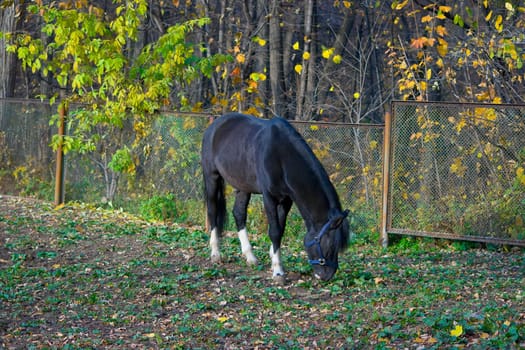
x: 84, y: 277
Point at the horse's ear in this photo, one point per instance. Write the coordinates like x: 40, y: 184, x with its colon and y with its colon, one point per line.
x: 337, y: 219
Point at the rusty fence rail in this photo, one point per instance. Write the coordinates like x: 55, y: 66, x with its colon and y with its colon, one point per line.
x: 456, y: 171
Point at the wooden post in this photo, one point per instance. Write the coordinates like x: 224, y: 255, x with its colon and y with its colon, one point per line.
x: 386, y: 178
x: 59, y: 173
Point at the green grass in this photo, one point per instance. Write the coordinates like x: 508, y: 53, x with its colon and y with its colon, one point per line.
x: 81, y: 277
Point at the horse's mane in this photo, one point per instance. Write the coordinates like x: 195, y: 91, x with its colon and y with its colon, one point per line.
x: 302, y: 147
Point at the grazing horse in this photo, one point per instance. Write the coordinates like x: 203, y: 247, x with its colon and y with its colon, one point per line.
x: 270, y: 157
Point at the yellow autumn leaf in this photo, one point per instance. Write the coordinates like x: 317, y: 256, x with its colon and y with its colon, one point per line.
x: 356, y: 95
x: 60, y: 206
x: 241, y: 58
x: 426, y: 19
x: 460, y: 125
x: 222, y: 319
x: 296, y: 45
x: 520, y: 175
x: 327, y: 52
x: 488, y: 16
x: 399, y: 6
x: 258, y: 76
x: 314, y: 127
x: 445, y: 9
x: 457, y: 331
x: 429, y: 74
x: 416, y: 136
x: 337, y: 59
x: 458, y: 168
x: 498, y: 24
x: 442, y: 48
x: 306, y: 55
x: 261, y: 42
x: 298, y: 68
x: 440, y: 15
x: 441, y: 31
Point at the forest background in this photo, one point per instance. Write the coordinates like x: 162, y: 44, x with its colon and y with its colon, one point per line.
x: 308, y: 60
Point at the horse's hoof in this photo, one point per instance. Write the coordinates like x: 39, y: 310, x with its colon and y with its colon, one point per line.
x: 279, y: 279
x: 216, y: 258
x: 251, y: 260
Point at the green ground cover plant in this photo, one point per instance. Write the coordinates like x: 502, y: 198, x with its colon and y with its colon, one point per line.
x: 80, y: 277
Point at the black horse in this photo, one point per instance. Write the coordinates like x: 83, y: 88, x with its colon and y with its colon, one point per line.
x: 270, y: 157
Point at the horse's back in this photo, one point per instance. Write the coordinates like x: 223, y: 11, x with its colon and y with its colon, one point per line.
x: 230, y: 148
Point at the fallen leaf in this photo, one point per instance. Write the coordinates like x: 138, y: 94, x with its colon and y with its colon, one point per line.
x: 457, y: 331
x: 222, y: 319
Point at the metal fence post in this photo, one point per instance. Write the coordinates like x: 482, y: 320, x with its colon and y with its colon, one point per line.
x: 59, y: 173
x: 386, y: 177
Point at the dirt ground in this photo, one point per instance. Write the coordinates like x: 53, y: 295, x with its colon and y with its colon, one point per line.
x: 79, y: 277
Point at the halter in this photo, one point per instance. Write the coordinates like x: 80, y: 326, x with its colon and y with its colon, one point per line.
x: 322, y: 261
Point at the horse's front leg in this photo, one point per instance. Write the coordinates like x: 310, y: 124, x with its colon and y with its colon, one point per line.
x: 239, y: 213
x: 275, y: 231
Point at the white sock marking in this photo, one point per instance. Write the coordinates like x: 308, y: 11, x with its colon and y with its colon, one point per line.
x: 246, y: 247
x: 214, y: 245
x: 277, y: 268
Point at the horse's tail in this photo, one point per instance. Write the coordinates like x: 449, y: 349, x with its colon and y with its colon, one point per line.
x: 221, y: 205
x: 215, y: 203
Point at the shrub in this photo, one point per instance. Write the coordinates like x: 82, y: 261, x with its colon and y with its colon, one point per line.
x: 159, y: 208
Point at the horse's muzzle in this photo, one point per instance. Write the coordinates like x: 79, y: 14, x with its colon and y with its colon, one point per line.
x: 324, y: 273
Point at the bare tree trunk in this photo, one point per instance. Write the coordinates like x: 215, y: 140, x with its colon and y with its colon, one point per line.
x: 276, y: 70
x: 206, y: 40
x: 262, y: 57
x: 310, y: 97
x: 329, y: 66
x: 304, y: 101
x: 7, y: 60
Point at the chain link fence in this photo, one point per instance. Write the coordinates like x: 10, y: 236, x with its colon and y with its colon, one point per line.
x: 27, y: 163
x: 166, y: 164
x: 457, y: 171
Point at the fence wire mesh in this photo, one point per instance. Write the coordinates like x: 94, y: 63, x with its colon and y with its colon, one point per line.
x: 457, y: 171
x: 27, y: 163
x: 166, y: 161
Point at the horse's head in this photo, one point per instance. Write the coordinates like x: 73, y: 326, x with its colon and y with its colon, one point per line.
x: 323, y: 246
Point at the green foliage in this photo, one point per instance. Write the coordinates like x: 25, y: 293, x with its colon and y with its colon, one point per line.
x: 86, y: 49
x: 122, y: 161
x: 161, y: 208
x: 30, y: 185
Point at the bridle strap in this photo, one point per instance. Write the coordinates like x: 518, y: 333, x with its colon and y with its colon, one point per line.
x: 317, y: 240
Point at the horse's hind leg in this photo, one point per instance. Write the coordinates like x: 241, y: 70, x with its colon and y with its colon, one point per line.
x: 239, y: 213
x: 216, y: 210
